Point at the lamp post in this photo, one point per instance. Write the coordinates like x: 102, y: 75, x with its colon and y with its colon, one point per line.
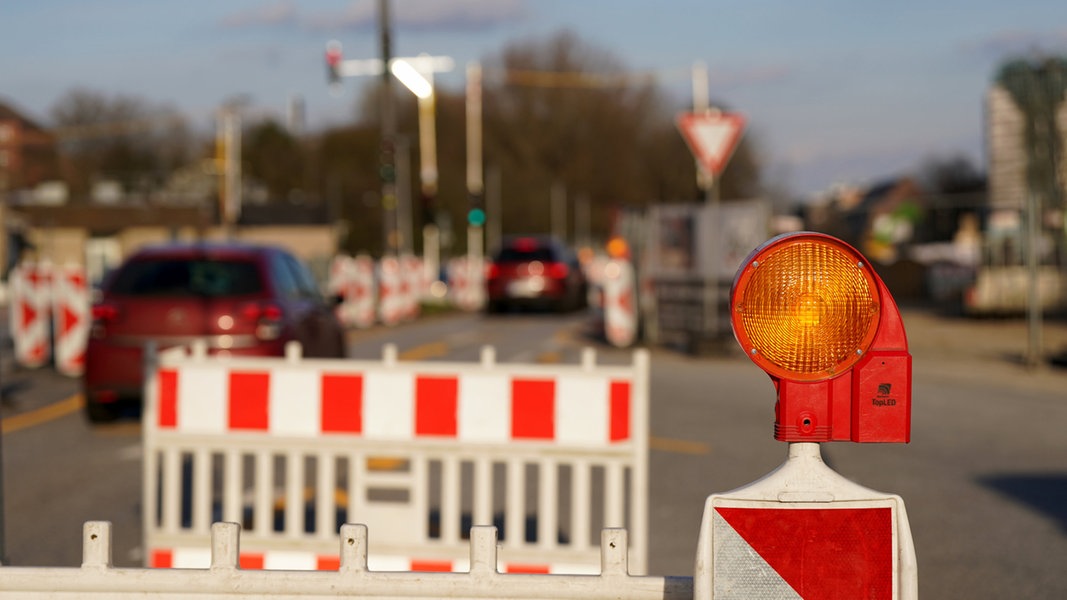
x: 416, y: 73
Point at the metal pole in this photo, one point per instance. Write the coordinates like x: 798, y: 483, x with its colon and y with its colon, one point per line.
x: 494, y: 216
x: 559, y: 210
x: 707, y: 183
x: 388, y: 132
x: 404, y: 232
x: 475, y: 183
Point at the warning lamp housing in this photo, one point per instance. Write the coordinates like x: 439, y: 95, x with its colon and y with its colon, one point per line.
x: 809, y: 310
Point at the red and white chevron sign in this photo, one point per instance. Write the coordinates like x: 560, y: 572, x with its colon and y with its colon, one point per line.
x: 31, y: 300
x: 805, y: 532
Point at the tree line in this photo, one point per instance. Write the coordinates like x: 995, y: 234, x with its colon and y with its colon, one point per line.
x: 613, y: 144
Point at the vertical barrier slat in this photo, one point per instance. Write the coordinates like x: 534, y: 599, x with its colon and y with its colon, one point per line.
x: 357, y: 487
x: 614, y: 495
x: 172, y: 490
x: 150, y: 475
x: 201, y: 490
x: 638, y: 492
x: 294, y: 494
x: 263, y: 510
x: 547, y: 509
x: 232, y: 476
x: 420, y: 491
x: 483, y: 491
x: 581, y: 507
x: 450, y: 499
x: 325, y: 501
x: 515, y: 499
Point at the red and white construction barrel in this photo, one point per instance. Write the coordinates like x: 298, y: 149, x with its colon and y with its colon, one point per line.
x: 620, y: 303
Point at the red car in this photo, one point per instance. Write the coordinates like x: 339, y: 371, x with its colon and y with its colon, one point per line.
x: 535, y: 271
x: 240, y: 299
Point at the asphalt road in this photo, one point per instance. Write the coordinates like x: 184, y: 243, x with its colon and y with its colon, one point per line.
x: 984, y: 478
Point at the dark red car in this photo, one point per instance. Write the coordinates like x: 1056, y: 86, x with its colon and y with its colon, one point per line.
x: 535, y: 271
x: 240, y: 299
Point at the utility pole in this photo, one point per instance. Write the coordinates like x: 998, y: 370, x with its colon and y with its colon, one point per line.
x: 228, y: 157
x: 388, y: 134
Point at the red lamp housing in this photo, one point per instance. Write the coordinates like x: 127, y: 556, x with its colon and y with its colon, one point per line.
x: 809, y: 310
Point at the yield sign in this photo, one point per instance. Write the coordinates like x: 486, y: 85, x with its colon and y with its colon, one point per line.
x: 712, y: 137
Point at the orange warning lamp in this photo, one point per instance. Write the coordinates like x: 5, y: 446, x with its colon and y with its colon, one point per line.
x: 809, y: 310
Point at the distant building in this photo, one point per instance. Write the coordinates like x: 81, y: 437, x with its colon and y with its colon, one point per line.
x: 1008, y: 153
x: 28, y: 154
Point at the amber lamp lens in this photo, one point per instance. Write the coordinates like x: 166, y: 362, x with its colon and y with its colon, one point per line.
x: 806, y: 308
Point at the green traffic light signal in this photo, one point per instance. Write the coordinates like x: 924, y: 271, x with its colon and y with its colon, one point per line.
x: 476, y: 217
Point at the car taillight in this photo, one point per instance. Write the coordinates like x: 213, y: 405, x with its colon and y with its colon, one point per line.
x: 103, y: 315
x: 267, y: 318
x: 557, y: 270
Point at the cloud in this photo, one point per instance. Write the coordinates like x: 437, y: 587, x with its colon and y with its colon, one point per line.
x: 424, y: 15
x: 279, y: 12
x: 1007, y: 42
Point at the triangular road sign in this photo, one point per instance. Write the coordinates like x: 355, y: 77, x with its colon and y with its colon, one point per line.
x: 712, y: 137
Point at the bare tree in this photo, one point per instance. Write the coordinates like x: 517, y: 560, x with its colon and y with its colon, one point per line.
x: 120, y: 138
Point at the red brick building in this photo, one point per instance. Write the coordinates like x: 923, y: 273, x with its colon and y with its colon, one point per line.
x: 28, y: 153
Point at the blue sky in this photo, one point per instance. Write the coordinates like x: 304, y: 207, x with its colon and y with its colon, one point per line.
x: 835, y: 91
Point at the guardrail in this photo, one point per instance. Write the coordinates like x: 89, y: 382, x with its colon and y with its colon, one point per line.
x: 351, y: 579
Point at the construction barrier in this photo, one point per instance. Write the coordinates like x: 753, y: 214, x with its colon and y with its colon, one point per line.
x: 30, y: 313
x: 50, y: 316
x: 466, y: 283
x: 804, y: 531
x: 225, y: 576
x: 294, y: 447
x: 71, y: 319
x: 620, y: 303
x: 352, y: 279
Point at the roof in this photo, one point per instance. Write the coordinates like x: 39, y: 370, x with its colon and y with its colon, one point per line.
x: 9, y: 113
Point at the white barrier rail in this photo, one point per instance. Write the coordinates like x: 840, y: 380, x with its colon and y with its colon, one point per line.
x: 352, y: 579
x: 293, y: 447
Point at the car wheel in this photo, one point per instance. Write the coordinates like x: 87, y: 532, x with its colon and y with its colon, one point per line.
x: 100, y: 413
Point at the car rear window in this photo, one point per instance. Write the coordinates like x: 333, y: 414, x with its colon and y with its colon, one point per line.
x: 184, y: 277
x: 523, y: 255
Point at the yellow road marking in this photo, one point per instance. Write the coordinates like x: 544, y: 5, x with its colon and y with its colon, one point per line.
x: 678, y: 446
x: 430, y: 350
x: 42, y: 415
x: 548, y: 358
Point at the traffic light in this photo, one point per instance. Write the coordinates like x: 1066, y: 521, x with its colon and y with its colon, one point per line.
x: 476, y: 213
x: 810, y: 311
x: 476, y: 217
x: 333, y: 62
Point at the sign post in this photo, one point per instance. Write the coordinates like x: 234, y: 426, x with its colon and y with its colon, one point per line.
x: 712, y: 137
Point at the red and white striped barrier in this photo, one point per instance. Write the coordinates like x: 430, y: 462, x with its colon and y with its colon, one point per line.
x: 412, y: 272
x: 620, y: 303
x: 352, y: 278
x: 290, y: 560
x: 288, y: 445
x: 384, y: 404
x: 466, y: 283
x: 70, y: 310
x: 392, y: 290
x: 29, y: 312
